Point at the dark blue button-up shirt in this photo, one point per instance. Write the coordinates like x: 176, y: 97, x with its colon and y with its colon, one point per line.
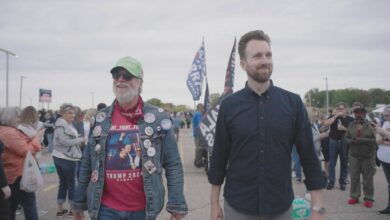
x: 252, y: 149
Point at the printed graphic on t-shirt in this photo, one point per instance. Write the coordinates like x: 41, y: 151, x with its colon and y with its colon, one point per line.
x: 123, y: 188
x: 123, y: 150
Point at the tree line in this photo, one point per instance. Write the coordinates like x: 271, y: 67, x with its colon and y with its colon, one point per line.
x: 369, y: 98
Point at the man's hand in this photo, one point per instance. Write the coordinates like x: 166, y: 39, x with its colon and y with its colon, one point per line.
x: 316, y: 216
x: 78, y: 215
x: 175, y: 216
x: 7, y: 192
x: 216, y: 212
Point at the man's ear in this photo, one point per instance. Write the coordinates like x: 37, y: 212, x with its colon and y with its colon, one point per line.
x: 243, y: 64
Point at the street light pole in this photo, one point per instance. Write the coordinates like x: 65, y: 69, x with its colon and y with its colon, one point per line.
x: 6, y: 76
x: 21, y: 91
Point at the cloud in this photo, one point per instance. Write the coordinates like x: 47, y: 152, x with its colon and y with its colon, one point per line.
x: 70, y: 46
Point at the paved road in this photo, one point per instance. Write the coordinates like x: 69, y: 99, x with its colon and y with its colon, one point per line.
x: 197, y: 192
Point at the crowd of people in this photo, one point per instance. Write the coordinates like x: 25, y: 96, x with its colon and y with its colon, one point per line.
x: 110, y: 160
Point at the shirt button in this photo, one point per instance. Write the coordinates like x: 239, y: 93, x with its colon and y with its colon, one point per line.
x: 262, y: 134
x: 261, y: 102
x: 261, y: 118
x: 261, y: 151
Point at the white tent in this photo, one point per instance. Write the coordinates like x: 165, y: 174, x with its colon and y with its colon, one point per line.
x: 379, y: 110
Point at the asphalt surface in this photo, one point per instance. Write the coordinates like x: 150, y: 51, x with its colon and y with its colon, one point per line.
x: 197, y: 191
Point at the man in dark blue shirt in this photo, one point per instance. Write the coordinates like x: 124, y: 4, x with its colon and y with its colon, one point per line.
x: 256, y: 129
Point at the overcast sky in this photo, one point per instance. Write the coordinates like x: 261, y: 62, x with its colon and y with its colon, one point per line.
x: 70, y: 46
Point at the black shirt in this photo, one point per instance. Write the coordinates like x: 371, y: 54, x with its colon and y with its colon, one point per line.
x: 336, y: 134
x: 252, y: 148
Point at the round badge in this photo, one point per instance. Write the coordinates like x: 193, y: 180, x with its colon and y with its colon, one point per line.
x: 147, y: 143
x: 98, y: 147
x: 166, y: 124
x: 151, y: 152
x: 94, y: 176
x: 160, y: 110
x: 97, y: 131
x: 149, y: 131
x: 100, y: 116
x: 149, y: 117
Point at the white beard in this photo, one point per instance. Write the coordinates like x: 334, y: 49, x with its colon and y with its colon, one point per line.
x: 126, y: 97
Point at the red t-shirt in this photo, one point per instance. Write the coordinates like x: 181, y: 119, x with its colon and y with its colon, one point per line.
x: 123, y: 187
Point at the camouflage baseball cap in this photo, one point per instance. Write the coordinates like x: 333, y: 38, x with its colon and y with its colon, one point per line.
x: 130, y: 64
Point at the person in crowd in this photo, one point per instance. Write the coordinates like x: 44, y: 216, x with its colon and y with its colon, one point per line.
x: 5, y: 192
x: 78, y: 121
x: 16, y: 146
x: 253, y: 143
x: 383, y: 153
x: 296, y: 165
x: 176, y: 125
x: 360, y: 137
x: 49, y: 122
x: 324, y: 130
x: 100, y: 106
x: 188, y: 117
x: 29, y: 123
x: 66, y: 137
x: 317, y: 135
x: 199, y: 149
x: 136, y: 140
x: 88, y: 121
x: 338, y: 123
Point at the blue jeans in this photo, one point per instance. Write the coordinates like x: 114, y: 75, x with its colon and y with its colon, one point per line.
x: 336, y: 148
x: 386, y: 170
x: 49, y: 137
x: 106, y: 213
x: 25, y: 199
x: 66, y: 170
x: 297, y: 162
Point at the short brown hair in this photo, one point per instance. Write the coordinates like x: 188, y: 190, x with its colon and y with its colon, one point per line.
x: 341, y: 103
x: 66, y: 107
x: 252, y: 35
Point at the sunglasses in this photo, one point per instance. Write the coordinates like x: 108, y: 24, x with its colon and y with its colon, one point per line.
x: 126, y: 76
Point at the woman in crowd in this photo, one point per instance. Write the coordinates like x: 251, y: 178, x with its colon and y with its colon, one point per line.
x: 383, y: 153
x: 48, y: 122
x: 29, y: 123
x: 16, y: 146
x: 317, y: 135
x: 65, y: 137
x: 5, y: 191
x: 360, y: 137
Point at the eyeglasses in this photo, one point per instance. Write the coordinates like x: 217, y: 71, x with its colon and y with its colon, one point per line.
x: 125, y: 76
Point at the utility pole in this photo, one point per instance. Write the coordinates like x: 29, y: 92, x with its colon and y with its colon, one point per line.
x: 21, y: 91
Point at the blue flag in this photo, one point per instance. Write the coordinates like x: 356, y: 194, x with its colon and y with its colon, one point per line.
x: 196, y: 74
x: 209, y: 121
x: 207, y: 101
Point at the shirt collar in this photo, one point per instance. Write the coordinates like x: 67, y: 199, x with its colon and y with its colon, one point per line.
x: 266, y: 94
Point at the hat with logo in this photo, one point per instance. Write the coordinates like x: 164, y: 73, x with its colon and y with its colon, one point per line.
x: 130, y: 64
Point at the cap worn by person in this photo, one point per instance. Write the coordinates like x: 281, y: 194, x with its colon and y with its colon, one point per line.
x: 130, y: 64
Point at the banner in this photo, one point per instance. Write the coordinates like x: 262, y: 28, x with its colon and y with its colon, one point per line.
x: 207, y: 101
x: 196, y: 74
x: 44, y: 95
x: 209, y: 120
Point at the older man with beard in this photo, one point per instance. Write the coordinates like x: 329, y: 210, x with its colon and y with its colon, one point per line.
x: 136, y: 192
x: 256, y: 129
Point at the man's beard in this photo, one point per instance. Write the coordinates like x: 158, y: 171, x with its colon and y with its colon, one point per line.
x: 261, y: 77
x: 126, y: 97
